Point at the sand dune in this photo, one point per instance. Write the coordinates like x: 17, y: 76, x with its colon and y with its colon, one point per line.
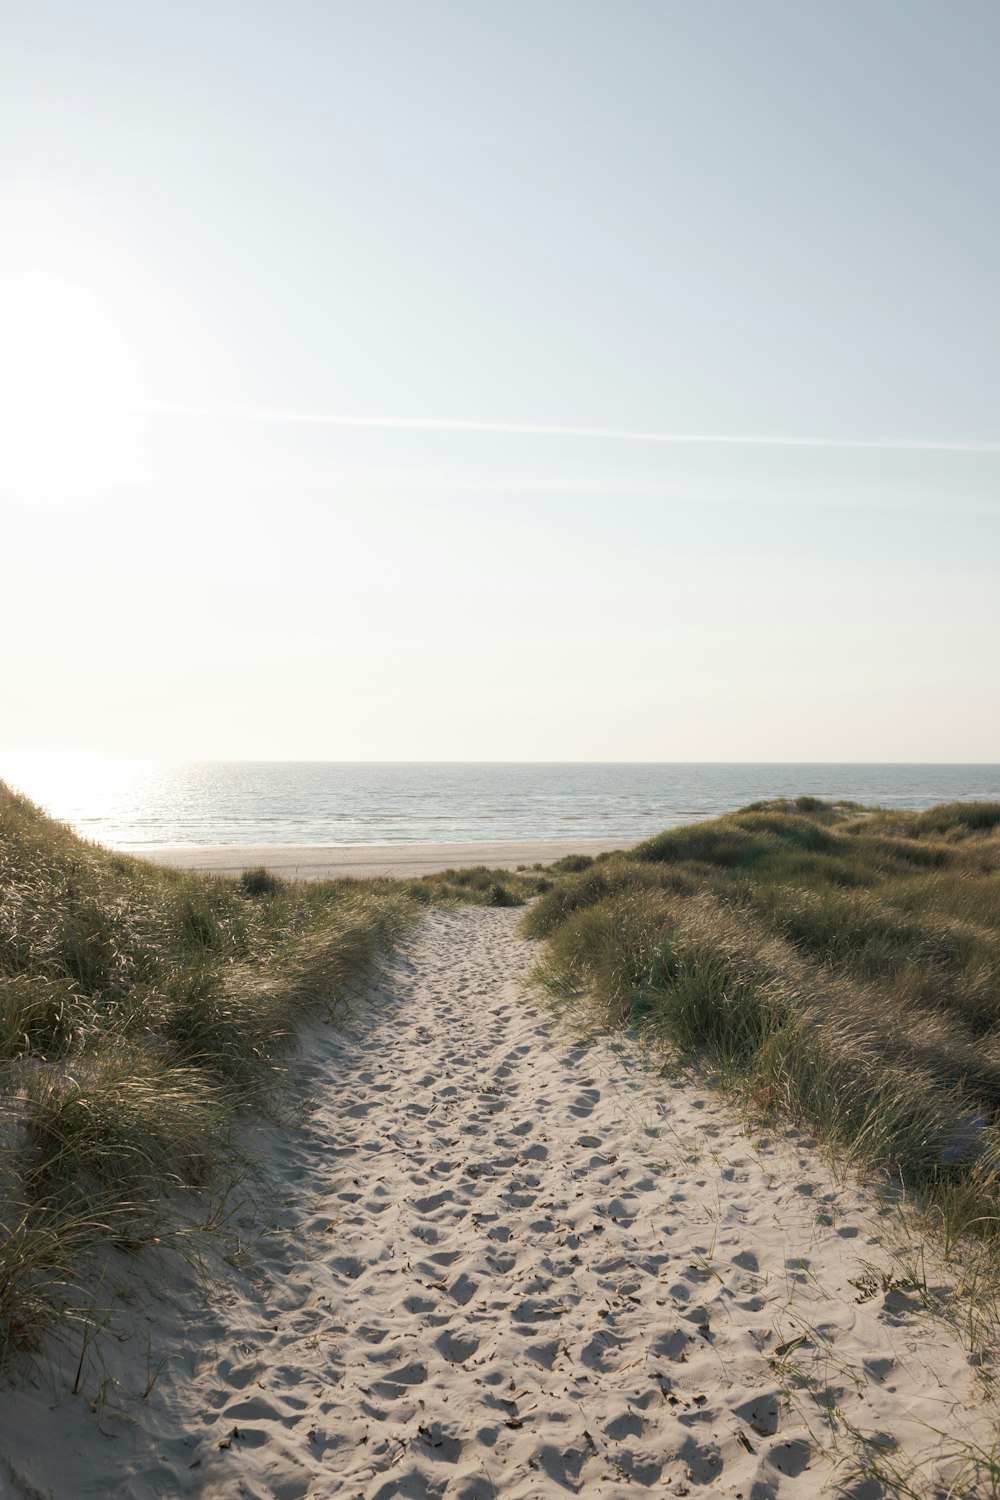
x: 502, y: 1263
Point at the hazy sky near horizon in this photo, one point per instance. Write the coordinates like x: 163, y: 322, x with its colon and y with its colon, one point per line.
x: 405, y: 379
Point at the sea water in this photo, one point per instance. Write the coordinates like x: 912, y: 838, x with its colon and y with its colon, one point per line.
x: 130, y: 805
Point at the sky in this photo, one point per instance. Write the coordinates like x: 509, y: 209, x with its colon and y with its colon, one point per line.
x: 409, y: 379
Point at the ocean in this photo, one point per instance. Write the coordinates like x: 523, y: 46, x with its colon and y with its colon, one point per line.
x: 131, y: 805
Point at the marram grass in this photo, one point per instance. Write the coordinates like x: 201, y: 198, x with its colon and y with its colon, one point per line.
x: 140, y: 1008
x: 836, y: 966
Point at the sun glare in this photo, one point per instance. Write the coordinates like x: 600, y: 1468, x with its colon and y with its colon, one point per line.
x: 78, y: 323
x: 62, y: 358
x: 62, y: 350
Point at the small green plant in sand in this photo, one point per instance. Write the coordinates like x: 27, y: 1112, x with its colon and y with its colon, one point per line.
x: 140, y: 1009
x: 835, y: 965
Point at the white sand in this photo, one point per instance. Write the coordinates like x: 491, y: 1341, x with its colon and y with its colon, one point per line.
x: 503, y: 1264
x: 324, y: 862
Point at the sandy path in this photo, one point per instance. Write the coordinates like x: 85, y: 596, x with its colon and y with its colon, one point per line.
x: 502, y: 1264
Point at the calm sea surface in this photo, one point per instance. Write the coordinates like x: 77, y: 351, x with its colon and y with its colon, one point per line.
x: 131, y: 804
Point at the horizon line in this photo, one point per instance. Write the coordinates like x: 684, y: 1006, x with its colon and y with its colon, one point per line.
x: 552, y: 429
x: 20, y: 759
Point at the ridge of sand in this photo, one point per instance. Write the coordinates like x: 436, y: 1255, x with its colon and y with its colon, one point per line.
x: 328, y: 861
x: 501, y: 1263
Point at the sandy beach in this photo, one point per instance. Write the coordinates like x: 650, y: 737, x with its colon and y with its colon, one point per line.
x: 326, y: 862
x: 488, y: 1260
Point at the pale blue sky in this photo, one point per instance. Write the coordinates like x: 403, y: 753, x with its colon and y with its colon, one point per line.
x: 743, y: 220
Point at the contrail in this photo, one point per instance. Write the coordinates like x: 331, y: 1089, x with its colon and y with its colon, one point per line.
x: 551, y: 429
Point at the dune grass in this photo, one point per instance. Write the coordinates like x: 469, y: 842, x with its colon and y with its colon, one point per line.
x: 834, y: 965
x: 140, y: 1009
